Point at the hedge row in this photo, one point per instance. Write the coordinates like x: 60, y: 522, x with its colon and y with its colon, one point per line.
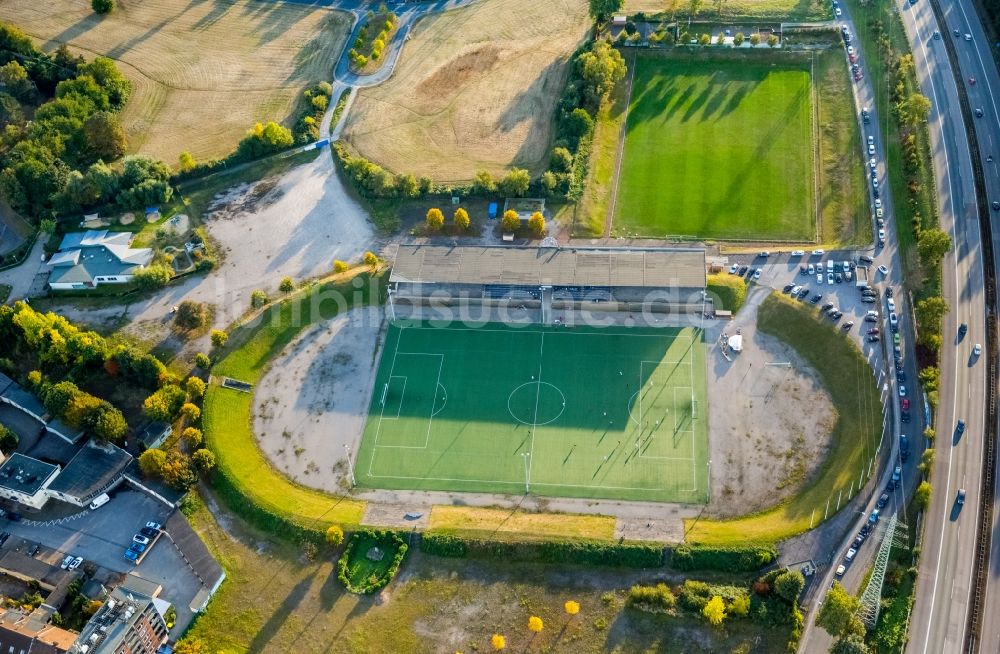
x: 259, y: 516
x: 724, y: 559
x: 626, y: 555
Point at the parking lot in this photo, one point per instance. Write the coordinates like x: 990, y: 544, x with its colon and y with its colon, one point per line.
x: 101, y: 537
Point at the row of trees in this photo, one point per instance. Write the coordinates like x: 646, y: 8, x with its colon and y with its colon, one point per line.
x: 375, y: 45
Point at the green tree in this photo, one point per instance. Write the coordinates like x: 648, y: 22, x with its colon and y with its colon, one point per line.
x: 929, y: 313
x: 186, y: 161
x: 789, y: 584
x: 510, y: 221
x: 933, y: 244
x: 154, y: 276
x: 772, y: 40
x: 578, y: 123
x: 203, y: 460
x: 202, y: 361
x: 164, y: 403
x: 461, y: 219
x: 601, y: 9
x: 258, y: 298
x: 922, y: 496
x: 108, y: 423
x: 190, y: 411
x: 177, y: 471
x: 715, y: 611
x: 434, y: 220
x: 838, y: 613
x: 853, y: 644
x: 151, y: 462
x: 755, y: 39
x: 8, y: 440
x: 334, y: 535
x: 561, y: 160
x: 47, y: 225
x: 738, y: 39
x: 340, y: 266
x: 926, y: 464
x: 515, y: 183
x: 915, y: 109
x: 105, y: 136
x: 195, y: 387
x: 704, y: 39
x: 102, y: 6
x: 370, y: 259
x: 537, y: 223
x: 16, y: 81
x: 287, y: 285
x: 601, y: 68
x: 193, y: 437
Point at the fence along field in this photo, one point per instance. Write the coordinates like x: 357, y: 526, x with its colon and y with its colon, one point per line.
x: 718, y: 147
x: 595, y: 413
x: 203, y: 72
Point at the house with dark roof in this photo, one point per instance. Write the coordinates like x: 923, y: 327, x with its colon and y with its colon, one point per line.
x: 89, y: 259
x: 153, y: 435
x: 26, y: 480
x: 96, y: 468
x: 13, y: 394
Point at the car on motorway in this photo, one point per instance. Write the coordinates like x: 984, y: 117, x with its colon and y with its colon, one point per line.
x: 962, y: 329
x: 881, y: 235
x: 901, y: 377
x: 996, y: 205
x: 968, y: 37
x: 957, y: 32
x: 937, y: 35
x: 960, y: 500
x: 733, y: 268
x: 859, y: 540
x: 904, y: 447
x: 873, y: 517
x: 904, y: 416
x: 905, y: 404
x: 897, y: 474
x: 977, y: 350
x: 891, y: 303
x: 972, y: 81
x: 960, y: 427
x: 902, y: 390
x: 865, y: 116
x: 872, y: 164
x: 979, y: 112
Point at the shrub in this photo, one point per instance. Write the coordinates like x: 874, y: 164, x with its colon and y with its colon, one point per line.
x: 154, y: 276
x: 695, y: 595
x: 258, y: 298
x: 102, y: 6
x: 340, y: 266
x: 370, y: 259
x: 8, y: 440
x: 192, y: 315
x: 461, y: 219
x: 203, y: 460
x: 164, y: 404
x: 537, y: 223
x: 724, y: 559
x: 789, y: 584
x: 202, y: 361
x: 151, y: 462
x: 658, y: 598
x: 287, y: 285
x: 219, y: 337
x: 193, y: 437
x: 320, y: 102
x: 334, y: 535
x: 510, y: 221
x: 434, y: 220
x: 190, y: 411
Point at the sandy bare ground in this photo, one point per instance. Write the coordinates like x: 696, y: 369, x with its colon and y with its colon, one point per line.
x: 314, y: 399
x: 203, y: 72
x: 769, y: 423
x: 294, y: 224
x: 475, y: 88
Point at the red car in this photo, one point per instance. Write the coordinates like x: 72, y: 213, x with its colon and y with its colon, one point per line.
x: 905, y: 404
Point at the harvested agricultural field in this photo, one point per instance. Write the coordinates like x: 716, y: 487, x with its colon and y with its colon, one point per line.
x: 202, y: 72
x: 475, y: 88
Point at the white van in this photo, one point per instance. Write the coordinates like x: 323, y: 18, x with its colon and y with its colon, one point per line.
x: 99, y: 501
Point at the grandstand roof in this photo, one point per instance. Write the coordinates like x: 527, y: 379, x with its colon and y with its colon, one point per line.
x: 642, y: 268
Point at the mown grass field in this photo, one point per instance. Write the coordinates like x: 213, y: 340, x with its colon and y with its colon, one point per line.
x: 227, y: 413
x: 203, y: 72
x: 718, y: 147
x: 499, y: 522
x: 275, y: 601
x: 475, y: 89
x: 848, y: 378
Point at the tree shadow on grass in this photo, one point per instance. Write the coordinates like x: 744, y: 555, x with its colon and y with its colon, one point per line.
x: 281, y: 614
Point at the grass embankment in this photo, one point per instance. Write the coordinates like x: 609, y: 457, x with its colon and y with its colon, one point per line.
x: 227, y: 414
x: 785, y: 10
x: 273, y: 600
x: 848, y: 379
x: 870, y: 16
x: 497, y: 523
x: 731, y: 291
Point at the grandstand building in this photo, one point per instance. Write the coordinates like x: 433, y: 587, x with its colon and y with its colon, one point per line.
x: 663, y: 280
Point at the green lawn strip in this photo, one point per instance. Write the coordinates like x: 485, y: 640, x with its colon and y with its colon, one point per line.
x: 573, y: 432
x: 730, y: 10
x: 717, y: 145
x: 845, y: 216
x: 848, y: 379
x: 227, y: 414
x: 592, y: 210
x: 731, y: 291
x: 923, y: 204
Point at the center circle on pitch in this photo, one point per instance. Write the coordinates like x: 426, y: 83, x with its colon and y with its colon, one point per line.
x: 536, y: 403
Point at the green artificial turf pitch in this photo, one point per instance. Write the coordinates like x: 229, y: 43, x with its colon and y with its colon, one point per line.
x: 718, y: 148
x: 458, y: 408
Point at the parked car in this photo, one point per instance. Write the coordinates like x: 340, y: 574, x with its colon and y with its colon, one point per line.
x: 131, y: 555
x: 733, y: 268
x: 76, y: 563
x: 851, y: 553
x: 139, y: 538
x: 873, y: 339
x: 138, y: 548
x: 829, y: 278
x: 756, y: 273
x: 65, y: 562
x: 866, y: 258
x: 816, y: 298
x: 847, y: 325
x: 149, y: 533
x: 882, y: 501
x: 788, y: 287
x: 841, y: 570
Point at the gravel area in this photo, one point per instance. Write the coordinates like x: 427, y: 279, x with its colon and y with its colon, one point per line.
x: 313, y: 400
x: 770, y: 419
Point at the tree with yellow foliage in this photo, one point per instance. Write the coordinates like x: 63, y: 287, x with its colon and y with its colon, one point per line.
x: 535, y: 624
x: 461, y: 219
x: 715, y: 611
x: 571, y: 608
x: 498, y: 642
x: 434, y: 220
x: 537, y: 223
x: 510, y: 221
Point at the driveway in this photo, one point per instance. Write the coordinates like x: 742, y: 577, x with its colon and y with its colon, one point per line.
x: 22, y: 278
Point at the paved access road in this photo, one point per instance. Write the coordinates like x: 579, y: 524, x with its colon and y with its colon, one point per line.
x: 946, y: 563
x: 975, y: 62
